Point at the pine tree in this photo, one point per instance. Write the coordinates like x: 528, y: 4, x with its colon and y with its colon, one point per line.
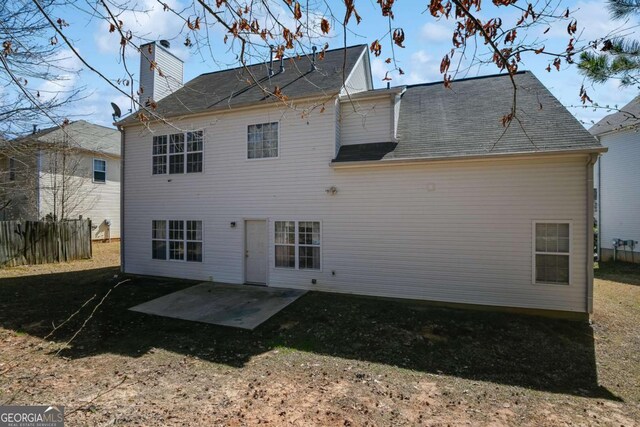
x: 617, y: 58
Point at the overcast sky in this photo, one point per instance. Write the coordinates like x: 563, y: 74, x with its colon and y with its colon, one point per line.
x: 427, y: 40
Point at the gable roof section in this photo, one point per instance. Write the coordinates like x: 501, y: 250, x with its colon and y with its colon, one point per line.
x: 81, y: 134
x: 236, y: 87
x: 465, y: 120
x: 628, y: 116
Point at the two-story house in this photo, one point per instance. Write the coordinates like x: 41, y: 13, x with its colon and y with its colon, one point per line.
x: 410, y: 192
x: 63, y: 173
x: 617, y: 183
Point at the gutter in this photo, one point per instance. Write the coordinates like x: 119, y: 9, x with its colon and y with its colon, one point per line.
x: 373, y: 94
x: 456, y: 159
x: 632, y: 127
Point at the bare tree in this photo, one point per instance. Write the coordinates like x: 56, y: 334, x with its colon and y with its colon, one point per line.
x: 30, y: 56
x: 252, y: 28
x: 45, y: 177
x: 66, y: 187
x: 18, y: 185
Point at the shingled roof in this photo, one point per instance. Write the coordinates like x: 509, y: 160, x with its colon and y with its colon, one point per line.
x: 236, y: 86
x: 79, y: 134
x: 466, y: 119
x: 627, y: 117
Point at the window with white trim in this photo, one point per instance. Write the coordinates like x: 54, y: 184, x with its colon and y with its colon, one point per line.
x: 159, y: 239
x: 178, y: 240
x: 297, y: 244
x: 262, y: 140
x: 178, y: 153
x: 160, y: 154
x: 194, y: 241
x: 552, y: 252
x: 99, y: 170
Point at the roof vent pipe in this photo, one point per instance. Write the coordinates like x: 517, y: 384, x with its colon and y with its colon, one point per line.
x: 388, y: 85
x: 313, y: 58
x: 35, y: 129
x: 282, y: 64
x: 271, y: 61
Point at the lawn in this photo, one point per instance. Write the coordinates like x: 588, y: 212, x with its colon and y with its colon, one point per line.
x: 325, y: 360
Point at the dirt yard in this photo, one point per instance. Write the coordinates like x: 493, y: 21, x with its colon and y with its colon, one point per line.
x: 325, y: 360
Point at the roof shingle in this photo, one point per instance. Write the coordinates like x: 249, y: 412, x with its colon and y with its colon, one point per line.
x: 627, y: 117
x: 236, y: 86
x: 466, y: 119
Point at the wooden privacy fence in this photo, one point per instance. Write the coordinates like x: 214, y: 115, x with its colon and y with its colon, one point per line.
x: 41, y: 242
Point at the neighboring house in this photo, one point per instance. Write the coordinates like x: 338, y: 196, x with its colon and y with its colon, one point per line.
x: 64, y: 173
x: 617, y: 183
x: 408, y: 192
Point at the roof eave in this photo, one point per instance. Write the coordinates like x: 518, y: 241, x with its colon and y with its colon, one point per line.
x: 464, y: 158
x: 618, y: 129
x: 227, y: 108
x: 375, y: 93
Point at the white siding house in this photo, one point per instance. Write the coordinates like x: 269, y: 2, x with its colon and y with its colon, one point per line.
x: 67, y: 173
x: 617, y: 178
x: 349, y: 204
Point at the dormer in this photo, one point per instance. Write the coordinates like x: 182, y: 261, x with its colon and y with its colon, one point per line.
x: 368, y: 122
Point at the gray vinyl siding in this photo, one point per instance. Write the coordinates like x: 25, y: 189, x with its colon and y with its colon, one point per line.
x: 97, y: 201
x: 359, y: 79
x: 154, y: 85
x: 146, y: 74
x: 457, y: 232
x: 366, y: 120
x: 23, y: 191
x: 619, y: 191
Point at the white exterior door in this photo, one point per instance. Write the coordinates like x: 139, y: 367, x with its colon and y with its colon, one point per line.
x: 255, y: 232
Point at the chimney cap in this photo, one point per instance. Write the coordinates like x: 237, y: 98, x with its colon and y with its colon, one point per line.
x: 165, y: 43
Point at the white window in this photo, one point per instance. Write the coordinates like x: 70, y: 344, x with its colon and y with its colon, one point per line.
x: 159, y: 239
x: 297, y: 244
x: 178, y: 153
x: 194, y: 241
x: 176, y: 240
x: 12, y: 169
x: 99, y: 170
x: 160, y: 154
x: 551, y: 260
x: 262, y: 140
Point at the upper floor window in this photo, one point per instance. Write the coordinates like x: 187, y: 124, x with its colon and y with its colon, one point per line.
x: 99, y: 170
x: 12, y: 169
x: 262, y: 140
x: 552, y: 252
x: 178, y: 153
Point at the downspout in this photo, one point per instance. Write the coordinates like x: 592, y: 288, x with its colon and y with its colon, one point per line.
x: 38, y: 178
x: 122, y: 227
x: 599, y: 210
x: 589, y: 261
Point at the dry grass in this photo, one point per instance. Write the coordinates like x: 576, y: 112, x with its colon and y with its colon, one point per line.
x: 325, y: 360
x: 104, y: 255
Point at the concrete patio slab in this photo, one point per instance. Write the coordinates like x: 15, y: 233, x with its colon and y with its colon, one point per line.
x: 240, y: 306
